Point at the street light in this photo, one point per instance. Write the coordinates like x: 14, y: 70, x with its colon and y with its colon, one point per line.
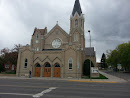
x: 90, y: 52
x: 90, y: 37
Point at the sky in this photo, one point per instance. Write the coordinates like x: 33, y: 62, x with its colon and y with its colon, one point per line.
x: 108, y: 21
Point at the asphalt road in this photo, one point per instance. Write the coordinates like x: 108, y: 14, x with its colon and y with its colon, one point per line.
x: 10, y: 88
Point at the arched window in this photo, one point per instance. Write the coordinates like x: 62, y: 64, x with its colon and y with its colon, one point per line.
x: 76, y: 37
x: 37, y: 37
x: 76, y: 22
x: 26, y: 63
x: 70, y: 63
x: 57, y: 65
x: 47, y: 65
x: 38, y: 65
x: 37, y: 49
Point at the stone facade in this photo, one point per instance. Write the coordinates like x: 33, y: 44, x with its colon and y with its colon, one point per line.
x: 56, y: 53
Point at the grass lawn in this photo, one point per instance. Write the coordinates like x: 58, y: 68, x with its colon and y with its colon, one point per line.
x: 100, y: 77
x: 8, y: 73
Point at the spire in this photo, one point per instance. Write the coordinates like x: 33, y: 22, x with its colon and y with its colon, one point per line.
x: 77, y: 8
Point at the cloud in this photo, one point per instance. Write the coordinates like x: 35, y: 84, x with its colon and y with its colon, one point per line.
x: 108, y: 20
x: 109, y: 23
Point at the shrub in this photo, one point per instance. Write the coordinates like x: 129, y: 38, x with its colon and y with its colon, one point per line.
x: 86, y: 67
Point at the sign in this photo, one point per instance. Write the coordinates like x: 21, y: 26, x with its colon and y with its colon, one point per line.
x: 94, y: 69
x: 119, y: 66
x: 12, y: 67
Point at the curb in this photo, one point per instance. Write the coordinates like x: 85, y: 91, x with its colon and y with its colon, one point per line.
x: 69, y: 80
x: 92, y: 81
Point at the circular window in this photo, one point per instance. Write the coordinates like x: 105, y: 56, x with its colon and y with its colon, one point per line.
x: 56, y: 43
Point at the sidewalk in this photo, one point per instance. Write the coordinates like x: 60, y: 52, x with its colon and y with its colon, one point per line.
x: 111, y: 79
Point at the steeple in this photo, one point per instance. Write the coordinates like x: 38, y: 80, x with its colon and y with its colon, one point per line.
x: 77, y: 26
x: 77, y: 8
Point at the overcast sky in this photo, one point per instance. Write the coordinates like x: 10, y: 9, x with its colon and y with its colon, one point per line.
x: 108, y: 20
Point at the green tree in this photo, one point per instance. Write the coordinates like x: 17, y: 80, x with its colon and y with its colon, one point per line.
x: 86, y: 67
x: 103, y: 61
x: 121, y: 55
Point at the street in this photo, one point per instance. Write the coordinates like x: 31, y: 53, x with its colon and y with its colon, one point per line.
x: 16, y: 88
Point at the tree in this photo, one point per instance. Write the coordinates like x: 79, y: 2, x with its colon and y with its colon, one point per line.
x: 12, y: 58
x: 17, y: 47
x: 103, y: 61
x: 121, y: 55
x: 3, y: 54
x: 86, y: 67
x: 9, y: 56
x: 4, y: 51
x: 113, y: 58
x: 1, y: 64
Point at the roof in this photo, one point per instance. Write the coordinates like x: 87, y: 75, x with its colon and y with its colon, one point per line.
x: 42, y: 31
x: 77, y: 8
x: 89, y: 51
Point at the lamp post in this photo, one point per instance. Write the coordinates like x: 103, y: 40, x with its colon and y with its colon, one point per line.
x: 90, y: 37
x: 90, y: 52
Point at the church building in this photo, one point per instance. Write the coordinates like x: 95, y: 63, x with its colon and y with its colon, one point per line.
x: 57, y: 53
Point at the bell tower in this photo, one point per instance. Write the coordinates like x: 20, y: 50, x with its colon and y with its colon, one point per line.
x: 77, y: 26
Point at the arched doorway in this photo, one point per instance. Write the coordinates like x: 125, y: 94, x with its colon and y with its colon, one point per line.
x: 37, y: 70
x: 47, y: 70
x: 57, y: 70
x: 86, y: 67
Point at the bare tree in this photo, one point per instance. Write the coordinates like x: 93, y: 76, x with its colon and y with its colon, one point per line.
x: 4, y: 51
x: 17, y: 47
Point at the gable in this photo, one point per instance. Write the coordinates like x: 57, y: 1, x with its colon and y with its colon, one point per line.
x: 56, y: 33
x: 57, y: 29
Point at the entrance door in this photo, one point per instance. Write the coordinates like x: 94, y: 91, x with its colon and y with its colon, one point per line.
x: 47, y: 70
x: 37, y: 70
x: 57, y: 70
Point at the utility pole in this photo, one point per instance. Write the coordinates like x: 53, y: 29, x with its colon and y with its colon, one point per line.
x: 90, y: 52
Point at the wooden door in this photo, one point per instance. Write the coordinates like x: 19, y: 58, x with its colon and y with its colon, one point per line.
x: 37, y: 72
x: 47, y: 72
x: 57, y: 72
